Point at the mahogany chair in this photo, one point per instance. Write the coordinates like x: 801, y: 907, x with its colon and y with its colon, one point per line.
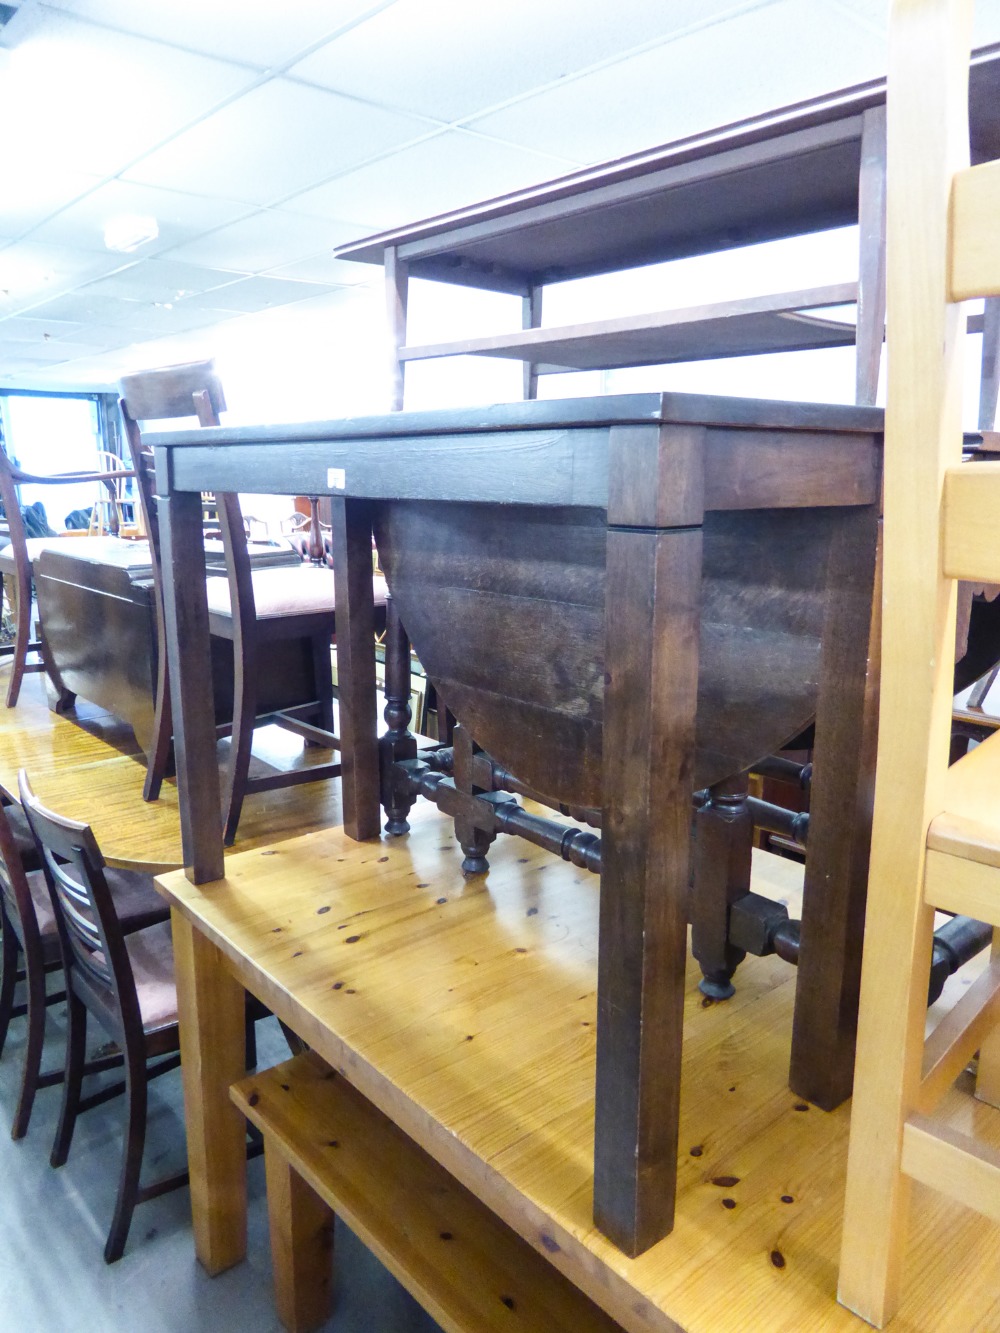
x: 124, y: 978
x: 117, y: 958
x: 255, y: 610
x: 30, y: 935
x: 936, y: 837
x: 18, y: 557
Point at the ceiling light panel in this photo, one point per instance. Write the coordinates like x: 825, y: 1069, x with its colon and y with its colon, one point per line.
x: 80, y: 97
x: 255, y: 32
x: 707, y: 78
x: 433, y: 176
x: 450, y: 59
x: 276, y: 140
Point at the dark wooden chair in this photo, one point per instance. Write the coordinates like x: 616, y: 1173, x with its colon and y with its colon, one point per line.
x: 29, y: 931
x: 123, y: 975
x: 30, y: 937
x: 18, y: 555
x: 116, y: 953
x: 256, y: 611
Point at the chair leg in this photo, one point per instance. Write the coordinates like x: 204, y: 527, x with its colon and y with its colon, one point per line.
x: 22, y: 638
x: 35, y: 980
x: 135, y: 1139
x: 8, y: 980
x: 250, y: 1041
x: 241, y: 744
x: 159, y: 752
x: 76, y: 1044
x: 323, y: 680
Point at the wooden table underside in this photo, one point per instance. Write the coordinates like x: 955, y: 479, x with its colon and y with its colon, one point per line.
x: 665, y: 472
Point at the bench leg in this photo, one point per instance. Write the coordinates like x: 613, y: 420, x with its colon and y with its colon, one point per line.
x: 301, y: 1244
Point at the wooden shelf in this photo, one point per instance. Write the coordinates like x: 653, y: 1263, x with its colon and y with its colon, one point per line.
x: 760, y: 324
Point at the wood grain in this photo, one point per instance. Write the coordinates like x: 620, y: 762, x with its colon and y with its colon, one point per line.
x: 975, y: 204
x: 469, y: 1270
x: 211, y: 1009
x: 87, y: 765
x: 301, y: 1226
x: 387, y: 961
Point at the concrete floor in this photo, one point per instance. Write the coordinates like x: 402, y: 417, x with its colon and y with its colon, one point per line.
x: 53, y: 1225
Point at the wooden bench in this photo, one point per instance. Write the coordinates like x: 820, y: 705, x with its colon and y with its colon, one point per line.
x: 328, y: 1149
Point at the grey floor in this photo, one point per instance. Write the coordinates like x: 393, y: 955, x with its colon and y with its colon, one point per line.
x: 53, y: 1224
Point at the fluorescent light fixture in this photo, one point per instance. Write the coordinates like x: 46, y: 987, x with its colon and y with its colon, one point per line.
x: 127, y: 232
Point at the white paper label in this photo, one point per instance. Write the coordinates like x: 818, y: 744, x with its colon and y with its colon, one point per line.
x: 336, y: 478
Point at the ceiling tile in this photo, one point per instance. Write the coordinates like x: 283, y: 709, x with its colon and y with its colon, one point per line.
x: 275, y: 140
x: 86, y: 307
x: 34, y: 190
x: 26, y: 329
x: 450, y: 60
x: 325, y: 269
x: 257, y: 32
x: 179, y: 216
x: 252, y: 294
x: 30, y: 272
x: 263, y: 241
x: 433, y: 176
x: 81, y: 97
x: 701, y: 80
x: 159, y: 280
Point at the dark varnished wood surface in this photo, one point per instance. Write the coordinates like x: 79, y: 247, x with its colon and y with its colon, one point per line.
x: 619, y: 599
x: 531, y: 584
x: 96, y: 604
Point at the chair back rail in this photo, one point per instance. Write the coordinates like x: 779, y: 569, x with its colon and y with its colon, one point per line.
x: 90, y: 932
x: 16, y: 563
x: 194, y: 390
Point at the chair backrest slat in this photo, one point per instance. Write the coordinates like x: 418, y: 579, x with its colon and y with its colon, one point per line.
x: 90, y: 934
x: 157, y: 395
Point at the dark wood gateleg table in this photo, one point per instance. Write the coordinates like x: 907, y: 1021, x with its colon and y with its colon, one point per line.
x: 624, y: 599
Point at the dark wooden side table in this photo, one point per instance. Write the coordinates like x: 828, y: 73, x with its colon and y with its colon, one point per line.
x: 625, y: 598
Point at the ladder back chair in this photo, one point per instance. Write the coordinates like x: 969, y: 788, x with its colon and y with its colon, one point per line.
x: 17, y: 558
x: 30, y: 936
x: 936, y: 841
x: 122, y: 973
x: 254, y: 610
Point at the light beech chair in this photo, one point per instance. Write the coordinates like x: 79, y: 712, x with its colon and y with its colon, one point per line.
x: 936, y: 839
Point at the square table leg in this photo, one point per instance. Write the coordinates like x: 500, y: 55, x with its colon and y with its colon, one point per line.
x: 652, y: 617
x: 212, y: 1007
x: 836, y: 876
